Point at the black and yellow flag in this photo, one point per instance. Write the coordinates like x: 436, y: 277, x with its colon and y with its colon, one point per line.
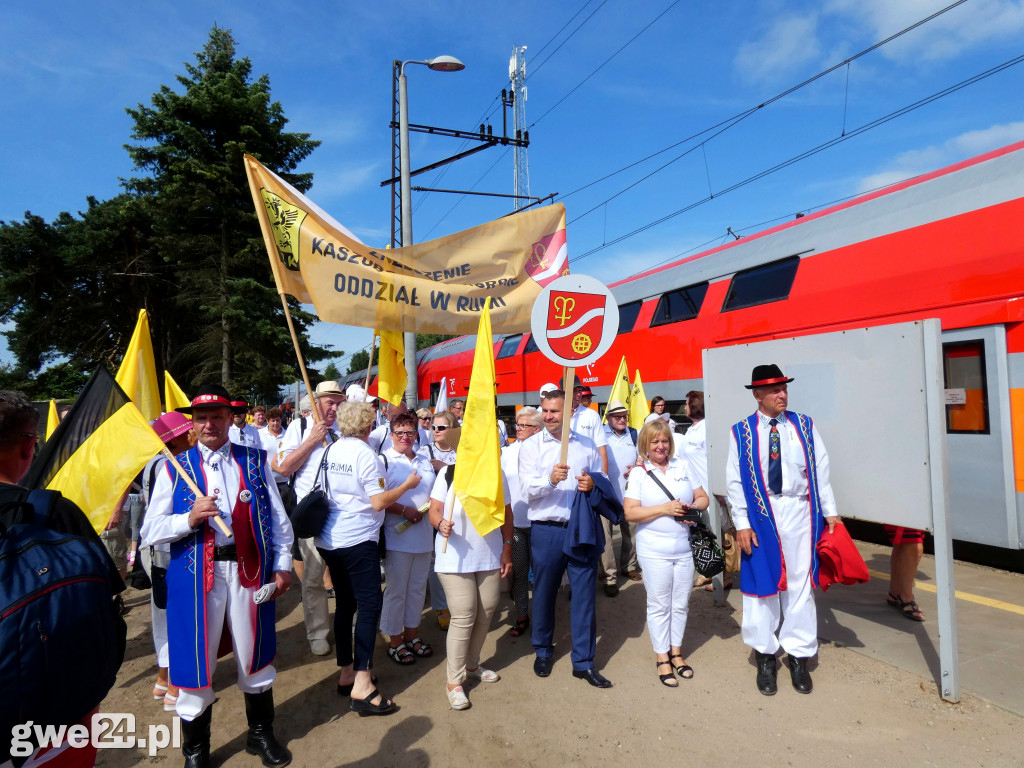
x: 97, y: 450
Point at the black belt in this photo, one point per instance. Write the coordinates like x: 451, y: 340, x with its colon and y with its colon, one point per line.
x: 552, y: 523
x: 226, y: 552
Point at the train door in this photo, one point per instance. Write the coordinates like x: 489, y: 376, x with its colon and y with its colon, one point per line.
x: 981, y: 475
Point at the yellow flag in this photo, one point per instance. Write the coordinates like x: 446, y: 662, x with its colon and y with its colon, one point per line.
x: 478, y: 480
x: 639, y: 408
x: 52, y: 419
x: 137, y: 374
x: 620, y: 388
x: 391, y: 374
x: 103, y: 467
x: 174, y: 396
x: 433, y: 287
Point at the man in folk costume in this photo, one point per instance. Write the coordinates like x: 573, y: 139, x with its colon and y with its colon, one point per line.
x: 778, y: 486
x: 213, y: 581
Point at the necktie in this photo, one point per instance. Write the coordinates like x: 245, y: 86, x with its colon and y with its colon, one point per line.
x: 774, y: 459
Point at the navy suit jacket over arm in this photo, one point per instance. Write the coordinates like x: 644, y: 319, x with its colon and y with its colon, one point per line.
x: 585, y: 539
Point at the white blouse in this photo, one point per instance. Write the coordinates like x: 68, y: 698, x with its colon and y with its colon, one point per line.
x: 665, y: 536
x: 353, y: 475
x: 418, y: 537
x: 468, y: 551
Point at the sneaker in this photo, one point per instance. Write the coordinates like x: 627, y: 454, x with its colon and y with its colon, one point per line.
x: 319, y: 647
x: 483, y: 675
x: 457, y: 698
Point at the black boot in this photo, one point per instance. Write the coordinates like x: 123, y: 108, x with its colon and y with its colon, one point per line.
x: 195, y: 740
x: 801, y: 677
x: 259, y: 710
x: 766, y: 672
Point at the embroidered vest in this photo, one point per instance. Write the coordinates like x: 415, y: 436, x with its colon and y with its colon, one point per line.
x: 191, y: 572
x: 763, y: 572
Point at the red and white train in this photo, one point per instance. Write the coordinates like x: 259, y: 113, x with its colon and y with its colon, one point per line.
x: 948, y: 244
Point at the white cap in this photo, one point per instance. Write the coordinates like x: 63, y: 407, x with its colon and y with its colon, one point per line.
x: 355, y: 393
x: 549, y: 387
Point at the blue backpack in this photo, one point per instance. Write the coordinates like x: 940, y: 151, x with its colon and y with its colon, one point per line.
x: 62, y: 637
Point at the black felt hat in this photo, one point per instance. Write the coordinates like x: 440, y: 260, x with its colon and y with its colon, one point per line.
x: 766, y: 375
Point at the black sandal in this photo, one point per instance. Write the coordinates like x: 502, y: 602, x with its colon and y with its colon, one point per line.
x: 364, y: 707
x: 669, y: 680
x: 401, y: 654
x: 420, y: 648
x: 908, y: 608
x: 682, y: 669
x: 346, y: 690
x: 521, y: 625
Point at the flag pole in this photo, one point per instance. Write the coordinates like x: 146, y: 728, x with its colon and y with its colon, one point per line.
x: 568, y: 374
x: 314, y: 406
x: 369, y: 365
x: 194, y: 488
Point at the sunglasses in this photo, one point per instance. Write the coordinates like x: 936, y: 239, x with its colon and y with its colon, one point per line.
x: 436, y: 428
x: 406, y: 435
x: 424, y: 418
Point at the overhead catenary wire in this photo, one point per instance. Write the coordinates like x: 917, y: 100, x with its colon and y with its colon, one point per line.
x: 812, y: 151
x: 735, y: 119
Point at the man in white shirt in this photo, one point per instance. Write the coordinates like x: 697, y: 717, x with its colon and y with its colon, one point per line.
x: 300, y: 454
x: 779, y: 516
x: 621, y: 458
x: 213, y: 580
x: 242, y: 433
x: 458, y: 408
x: 549, y: 487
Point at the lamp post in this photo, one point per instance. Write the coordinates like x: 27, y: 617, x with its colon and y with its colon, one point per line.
x: 438, y: 64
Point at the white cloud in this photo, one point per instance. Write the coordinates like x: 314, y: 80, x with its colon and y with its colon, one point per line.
x: 945, y: 37
x: 918, y: 161
x: 784, y: 47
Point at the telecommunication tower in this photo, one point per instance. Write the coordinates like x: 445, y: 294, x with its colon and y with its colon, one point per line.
x: 517, y: 90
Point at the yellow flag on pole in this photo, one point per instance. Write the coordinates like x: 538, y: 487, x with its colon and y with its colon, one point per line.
x: 620, y: 387
x: 391, y: 374
x: 137, y: 374
x: 639, y: 408
x: 478, y: 481
x: 174, y: 396
x: 52, y: 419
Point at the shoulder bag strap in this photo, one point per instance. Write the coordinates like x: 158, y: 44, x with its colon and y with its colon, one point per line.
x: 660, y: 484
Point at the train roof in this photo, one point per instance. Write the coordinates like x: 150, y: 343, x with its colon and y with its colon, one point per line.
x: 978, y: 182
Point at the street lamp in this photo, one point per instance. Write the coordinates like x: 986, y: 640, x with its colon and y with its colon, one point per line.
x: 439, y: 64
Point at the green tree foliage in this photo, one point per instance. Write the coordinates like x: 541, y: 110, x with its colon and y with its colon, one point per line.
x: 359, y: 361
x: 332, y: 372
x: 182, y: 242
x: 192, y: 144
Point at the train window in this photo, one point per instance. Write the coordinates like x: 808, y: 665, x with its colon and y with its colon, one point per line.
x: 531, y: 346
x: 628, y: 314
x: 509, y: 346
x: 435, y: 393
x: 762, y: 284
x: 682, y: 304
x: 963, y: 365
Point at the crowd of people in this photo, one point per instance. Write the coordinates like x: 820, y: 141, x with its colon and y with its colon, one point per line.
x: 217, y: 540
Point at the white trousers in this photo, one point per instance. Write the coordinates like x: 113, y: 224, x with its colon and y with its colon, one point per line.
x: 404, y: 591
x: 788, y: 619
x: 315, y: 612
x: 158, y: 615
x: 668, y: 584
x: 227, y: 600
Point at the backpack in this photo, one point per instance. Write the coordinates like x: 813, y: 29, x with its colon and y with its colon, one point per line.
x: 62, y: 637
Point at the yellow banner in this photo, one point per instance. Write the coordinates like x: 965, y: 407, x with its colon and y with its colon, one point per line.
x: 433, y: 287
x: 639, y: 408
x: 620, y: 389
x: 137, y: 374
x: 391, y: 375
x: 52, y: 419
x: 174, y: 396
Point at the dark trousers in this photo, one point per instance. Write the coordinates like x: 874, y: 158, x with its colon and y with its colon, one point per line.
x: 549, y: 563
x: 355, y: 572
x: 520, y: 588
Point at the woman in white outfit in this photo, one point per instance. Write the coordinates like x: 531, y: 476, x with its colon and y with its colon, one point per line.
x: 408, y: 541
x: 663, y: 543
x: 470, y: 570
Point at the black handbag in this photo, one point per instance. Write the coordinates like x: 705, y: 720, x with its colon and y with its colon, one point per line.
x: 159, y: 579
x: 708, y: 558
x: 310, y: 515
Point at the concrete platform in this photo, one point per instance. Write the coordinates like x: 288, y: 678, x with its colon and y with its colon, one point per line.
x: 990, y: 625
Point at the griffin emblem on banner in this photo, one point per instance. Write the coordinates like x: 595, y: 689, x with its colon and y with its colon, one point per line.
x: 286, y: 220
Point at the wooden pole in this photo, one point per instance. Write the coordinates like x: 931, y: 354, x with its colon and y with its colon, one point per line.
x: 314, y: 406
x: 194, y: 488
x: 568, y: 373
x: 369, y: 365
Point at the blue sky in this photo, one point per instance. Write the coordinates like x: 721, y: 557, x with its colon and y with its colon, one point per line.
x: 610, y: 83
